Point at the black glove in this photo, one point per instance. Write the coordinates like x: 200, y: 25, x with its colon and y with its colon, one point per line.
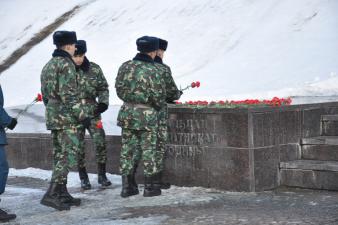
x: 12, y: 124
x: 86, y: 122
x: 171, y: 101
x: 157, y: 107
x: 101, y: 107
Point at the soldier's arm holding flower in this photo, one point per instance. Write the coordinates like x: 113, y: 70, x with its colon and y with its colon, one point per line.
x: 173, y: 93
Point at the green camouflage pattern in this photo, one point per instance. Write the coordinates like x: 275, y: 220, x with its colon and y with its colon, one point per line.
x: 140, y: 86
x: 172, y: 92
x: 65, y: 150
x: 59, y: 88
x: 139, y: 82
x: 99, y: 138
x: 142, y: 143
x: 93, y: 86
x: 162, y: 137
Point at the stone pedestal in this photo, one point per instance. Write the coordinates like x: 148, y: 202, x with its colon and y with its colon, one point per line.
x: 230, y: 149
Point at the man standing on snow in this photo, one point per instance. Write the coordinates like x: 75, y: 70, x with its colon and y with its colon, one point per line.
x: 94, y: 94
x: 64, y: 115
x: 6, y: 122
x: 140, y: 87
x: 172, y: 94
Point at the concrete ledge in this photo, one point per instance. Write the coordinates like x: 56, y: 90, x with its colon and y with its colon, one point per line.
x: 35, y: 150
x: 327, y: 180
x: 319, y: 152
x: 329, y: 117
x: 310, y: 165
x: 230, y: 149
x: 320, y: 140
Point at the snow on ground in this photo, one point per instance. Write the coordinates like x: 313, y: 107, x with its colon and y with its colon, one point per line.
x: 73, y: 178
x: 176, y: 206
x: 236, y: 49
x: 20, y: 20
x: 99, y: 206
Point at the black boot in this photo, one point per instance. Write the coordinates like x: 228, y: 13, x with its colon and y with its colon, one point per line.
x: 159, y: 183
x: 127, y: 187
x: 102, y: 178
x: 67, y: 198
x: 5, y: 217
x: 150, y: 189
x: 52, y: 198
x: 133, y: 180
x: 85, y: 184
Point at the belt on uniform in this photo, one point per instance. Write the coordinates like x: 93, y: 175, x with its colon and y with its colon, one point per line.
x: 137, y: 105
x: 87, y: 100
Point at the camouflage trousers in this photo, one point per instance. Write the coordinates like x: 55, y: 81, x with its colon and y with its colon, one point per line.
x: 99, y: 138
x: 162, y: 138
x: 138, y: 144
x: 65, y: 149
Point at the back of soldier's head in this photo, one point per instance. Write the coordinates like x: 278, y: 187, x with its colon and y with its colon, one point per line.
x: 62, y: 38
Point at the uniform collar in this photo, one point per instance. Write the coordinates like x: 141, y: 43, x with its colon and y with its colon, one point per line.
x: 158, y: 60
x: 143, y: 58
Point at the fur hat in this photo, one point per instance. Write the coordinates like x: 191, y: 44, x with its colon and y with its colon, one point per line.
x: 147, y: 44
x: 61, y: 38
x: 81, y: 47
x: 163, y: 44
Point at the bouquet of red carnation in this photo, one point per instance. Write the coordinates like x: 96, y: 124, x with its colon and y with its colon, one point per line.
x: 99, y: 124
x: 37, y: 99
x: 195, y: 84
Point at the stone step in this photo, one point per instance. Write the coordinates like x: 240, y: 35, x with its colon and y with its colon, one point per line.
x: 320, y: 152
x: 310, y: 165
x: 313, y: 174
x: 320, y: 140
x: 330, y: 117
x: 329, y: 125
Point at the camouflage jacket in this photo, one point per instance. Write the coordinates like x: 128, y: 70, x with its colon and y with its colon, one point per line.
x: 93, y: 86
x: 171, y: 89
x: 141, y: 88
x: 59, y: 88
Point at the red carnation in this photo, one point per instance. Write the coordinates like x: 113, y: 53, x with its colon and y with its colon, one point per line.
x: 99, y: 124
x: 39, y: 98
x: 193, y: 84
x: 197, y: 84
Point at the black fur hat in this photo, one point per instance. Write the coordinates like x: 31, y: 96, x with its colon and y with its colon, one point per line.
x: 147, y: 44
x: 61, y: 38
x: 81, y: 47
x: 163, y: 44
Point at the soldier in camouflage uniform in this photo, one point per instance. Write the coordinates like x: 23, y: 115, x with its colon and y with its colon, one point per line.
x: 140, y: 87
x: 64, y: 115
x: 172, y: 94
x: 94, y: 94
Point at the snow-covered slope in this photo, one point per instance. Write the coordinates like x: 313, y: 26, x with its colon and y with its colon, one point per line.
x: 235, y: 48
x: 20, y: 20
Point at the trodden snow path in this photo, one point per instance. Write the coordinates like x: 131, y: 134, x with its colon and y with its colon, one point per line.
x: 178, y: 205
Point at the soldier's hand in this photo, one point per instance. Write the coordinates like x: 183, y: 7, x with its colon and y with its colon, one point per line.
x: 180, y: 93
x: 86, y: 122
x: 101, y: 108
x: 12, y: 124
